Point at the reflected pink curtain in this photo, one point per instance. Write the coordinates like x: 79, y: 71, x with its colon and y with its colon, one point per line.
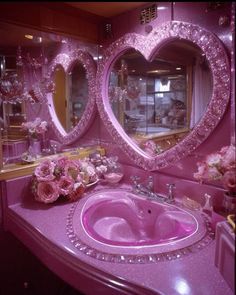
x: 202, y: 91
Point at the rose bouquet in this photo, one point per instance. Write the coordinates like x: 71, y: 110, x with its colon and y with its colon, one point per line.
x: 61, y: 177
x: 219, y: 166
x: 36, y: 127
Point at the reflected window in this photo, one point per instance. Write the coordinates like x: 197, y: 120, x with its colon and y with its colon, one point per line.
x: 162, y: 99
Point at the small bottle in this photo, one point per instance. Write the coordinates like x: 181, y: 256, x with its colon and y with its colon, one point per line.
x: 207, y: 208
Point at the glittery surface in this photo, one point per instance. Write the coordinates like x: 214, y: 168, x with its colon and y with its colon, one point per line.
x: 153, y: 252
x: 67, y: 60
x: 44, y: 230
x: 147, y: 45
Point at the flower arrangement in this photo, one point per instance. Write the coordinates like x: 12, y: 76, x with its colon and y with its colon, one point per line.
x: 35, y: 127
x: 108, y: 169
x: 62, y: 177
x: 221, y: 166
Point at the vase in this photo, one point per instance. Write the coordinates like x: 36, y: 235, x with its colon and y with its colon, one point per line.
x: 34, y: 147
x: 229, y: 203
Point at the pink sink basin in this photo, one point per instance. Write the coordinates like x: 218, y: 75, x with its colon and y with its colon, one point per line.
x: 131, y: 221
x: 118, y: 225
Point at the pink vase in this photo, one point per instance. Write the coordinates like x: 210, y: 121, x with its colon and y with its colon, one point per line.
x: 35, y: 147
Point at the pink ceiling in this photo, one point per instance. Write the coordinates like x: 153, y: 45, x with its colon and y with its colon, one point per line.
x: 106, y: 9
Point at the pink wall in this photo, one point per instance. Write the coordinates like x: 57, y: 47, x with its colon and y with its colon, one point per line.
x: 194, y: 12
x: 128, y: 23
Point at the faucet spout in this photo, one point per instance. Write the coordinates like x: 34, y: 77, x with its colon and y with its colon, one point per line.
x: 146, y: 190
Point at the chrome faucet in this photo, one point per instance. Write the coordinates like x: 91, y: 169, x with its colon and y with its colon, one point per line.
x: 146, y: 190
x: 170, y: 195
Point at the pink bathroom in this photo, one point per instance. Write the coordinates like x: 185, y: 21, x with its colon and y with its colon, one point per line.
x: 117, y: 148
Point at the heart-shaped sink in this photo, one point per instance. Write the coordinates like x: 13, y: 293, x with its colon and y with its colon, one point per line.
x: 118, y: 223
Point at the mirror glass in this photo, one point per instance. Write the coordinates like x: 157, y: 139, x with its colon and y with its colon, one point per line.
x: 71, y: 102
x: 162, y: 99
x: 59, y: 95
x: 162, y: 95
x: 78, y: 93
x: 48, y: 76
x: 70, y: 95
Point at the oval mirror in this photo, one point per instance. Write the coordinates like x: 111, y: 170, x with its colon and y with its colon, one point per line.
x: 163, y: 94
x: 71, y: 104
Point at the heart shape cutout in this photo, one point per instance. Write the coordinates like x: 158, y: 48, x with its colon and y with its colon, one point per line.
x: 66, y: 61
x: 148, y: 46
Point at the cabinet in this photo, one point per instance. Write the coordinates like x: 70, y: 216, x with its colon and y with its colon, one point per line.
x: 225, y: 252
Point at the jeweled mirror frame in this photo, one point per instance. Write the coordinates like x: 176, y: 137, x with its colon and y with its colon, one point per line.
x: 67, y: 60
x: 149, y: 46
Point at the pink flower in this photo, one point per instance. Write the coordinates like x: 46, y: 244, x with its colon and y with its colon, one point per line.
x: 229, y: 181
x: 65, y: 185
x: 61, y: 162
x: 213, y: 173
x: 35, y: 127
x: 41, y: 128
x: 213, y: 159
x: 202, y: 171
x: 219, y: 166
x: 44, y: 171
x: 72, y: 169
x: 47, y: 192
x: 228, y: 157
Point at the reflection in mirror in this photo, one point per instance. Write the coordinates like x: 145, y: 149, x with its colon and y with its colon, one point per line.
x: 73, y: 74
x: 70, y: 95
x: 59, y: 95
x: 163, y: 99
x: 27, y: 84
x: 78, y: 93
x: 145, y: 112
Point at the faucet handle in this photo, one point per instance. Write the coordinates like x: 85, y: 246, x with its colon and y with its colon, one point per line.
x: 150, y: 182
x: 170, y: 185
x: 135, y: 178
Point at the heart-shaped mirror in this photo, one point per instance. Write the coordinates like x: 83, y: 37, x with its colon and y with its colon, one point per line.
x: 163, y: 94
x: 71, y: 104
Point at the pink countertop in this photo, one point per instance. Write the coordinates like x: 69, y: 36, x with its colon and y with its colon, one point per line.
x: 43, y: 229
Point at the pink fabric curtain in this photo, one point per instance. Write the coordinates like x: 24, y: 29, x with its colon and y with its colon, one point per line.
x: 202, y: 91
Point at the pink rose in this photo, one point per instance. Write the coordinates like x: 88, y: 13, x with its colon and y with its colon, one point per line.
x: 202, y: 171
x: 60, y: 164
x: 47, y: 192
x: 213, y: 173
x: 207, y: 172
x: 229, y: 181
x: 65, y: 185
x: 213, y: 159
x: 61, y: 161
x: 72, y: 169
x: 44, y: 171
x: 41, y: 128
